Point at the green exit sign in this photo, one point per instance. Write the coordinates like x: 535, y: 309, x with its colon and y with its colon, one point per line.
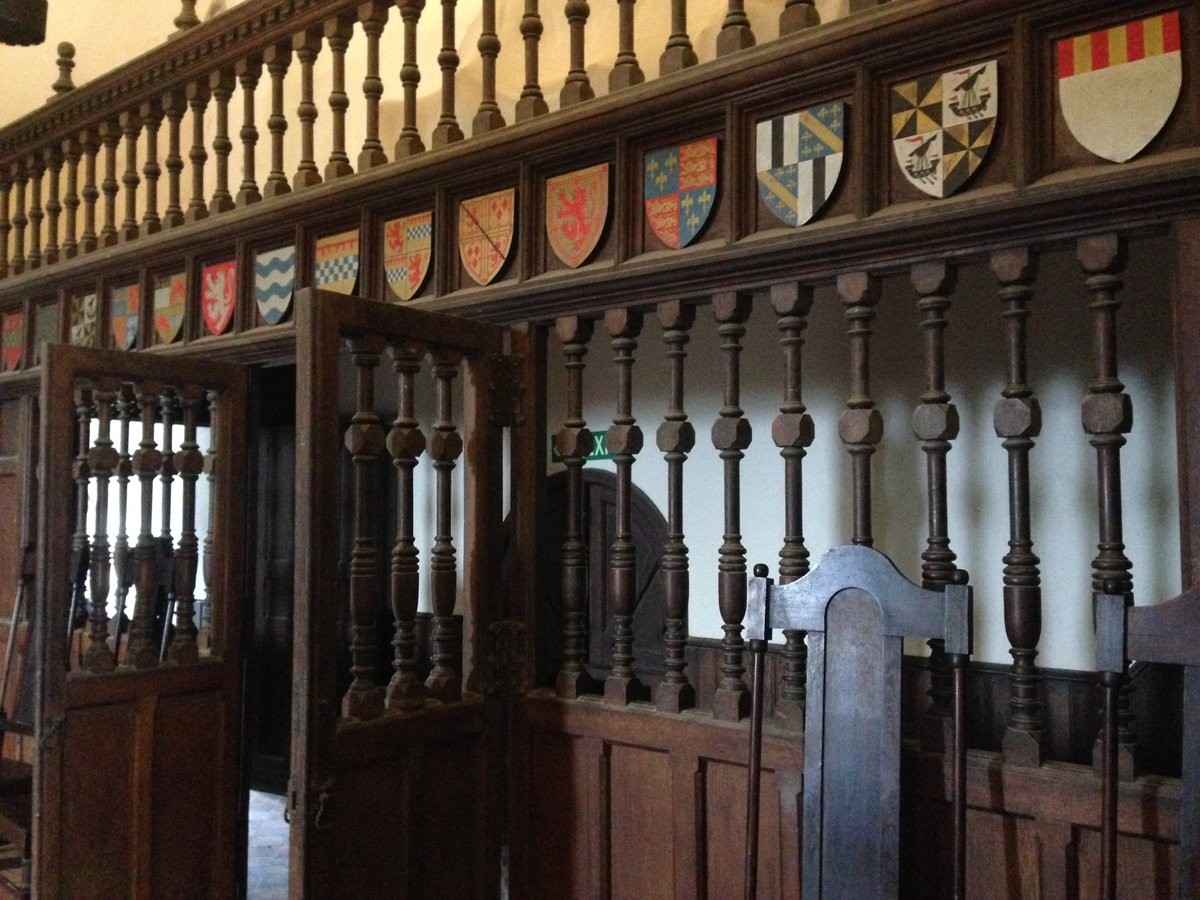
x: 599, y: 449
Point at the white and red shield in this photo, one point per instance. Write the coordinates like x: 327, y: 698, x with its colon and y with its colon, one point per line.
x: 1118, y: 87
x: 170, y: 301
x: 407, y: 248
x: 576, y: 213
x: 124, y: 304
x: 337, y: 262
x: 485, y: 233
x: 13, y: 328
x: 218, y: 295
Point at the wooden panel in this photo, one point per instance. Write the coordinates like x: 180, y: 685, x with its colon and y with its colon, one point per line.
x: 640, y: 796
x: 445, y: 862
x: 725, y: 833
x: 99, y: 855
x: 559, y: 791
x: 187, y: 728
x: 1146, y: 869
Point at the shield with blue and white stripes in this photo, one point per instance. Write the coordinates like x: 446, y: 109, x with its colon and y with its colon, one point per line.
x: 799, y: 160
x: 274, y: 278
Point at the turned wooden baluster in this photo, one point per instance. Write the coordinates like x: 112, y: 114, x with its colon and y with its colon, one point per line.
x: 90, y: 142
x: 445, y: 446
x: 174, y: 105
x: 221, y: 84
x: 189, y: 463
x: 676, y: 438
x: 1107, y: 418
x: 573, y: 443
x: 531, y: 103
x: 731, y: 435
x: 5, y: 222
x: 122, y: 562
x: 405, y: 442
x: 110, y: 137
x: 53, y: 160
x: 152, y: 116
x: 80, y: 544
x: 447, y: 130
x: 169, y: 410
x: 792, y: 432
x: 36, y: 169
x: 307, y: 45
x: 72, y: 152
x: 187, y: 17
x: 208, y: 559
x: 624, y: 441
x: 1018, y: 420
x: 860, y: 426
x: 19, y: 219
x: 409, y: 140
x: 131, y: 130
x: 798, y: 15
x: 374, y: 15
x: 935, y: 425
x: 365, y: 442
x: 577, y: 87
x: 198, y: 94
x: 248, y: 72
x: 277, y: 58
x: 489, y: 117
x: 735, y: 33
x: 338, y: 32
x: 679, y: 54
x: 102, y: 463
x: 625, y: 71
x: 147, y: 461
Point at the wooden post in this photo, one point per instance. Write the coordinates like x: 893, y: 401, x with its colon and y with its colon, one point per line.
x: 489, y: 117
x: 152, y: 115
x: 72, y: 151
x: 307, y: 45
x: 445, y: 446
x: 147, y: 462
x: 277, y: 57
x: 19, y: 220
x: 90, y: 142
x: 122, y: 561
x: 174, y: 105
x: 338, y: 33
x: 36, y: 168
x: 189, y: 463
x: 131, y: 130
x: 248, y: 72
x: 626, y: 71
x: 110, y: 137
x: 679, y: 54
x: 531, y: 103
x: 197, y: 93
x: 221, y: 84
x: 66, y: 62
x: 5, y: 222
x: 860, y: 426
x: 447, y: 130
x: 798, y: 15
x: 102, y: 463
x: 373, y: 15
x: 409, y: 141
x: 52, y: 159
x: 735, y: 33
x: 577, y: 87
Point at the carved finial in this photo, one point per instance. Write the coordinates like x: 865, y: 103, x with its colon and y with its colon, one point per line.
x: 187, y: 17
x: 214, y: 9
x: 66, y: 62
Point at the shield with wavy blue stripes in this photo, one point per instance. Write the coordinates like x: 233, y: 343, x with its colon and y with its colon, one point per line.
x: 274, y: 277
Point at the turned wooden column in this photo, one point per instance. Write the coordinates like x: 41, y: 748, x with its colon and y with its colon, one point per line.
x: 409, y: 141
x: 110, y: 138
x: 625, y: 71
x: 1107, y: 415
x: 122, y: 559
x: 447, y: 130
x: 731, y: 435
x: 860, y: 425
x: 1018, y: 420
x: 798, y: 15
x: 624, y: 441
x: 188, y: 463
x: 81, y: 548
x: 676, y: 438
x: 147, y: 462
x: 405, y: 443
x: 792, y: 432
x: 373, y: 15
x: 152, y: 115
x: 531, y: 103
x: 36, y: 168
x: 488, y: 117
x: 338, y: 33
x: 72, y: 152
x: 19, y: 178
x: 306, y: 45
x: 90, y: 142
x: 577, y: 87
x: 102, y: 464
x: 52, y: 159
x: 248, y: 73
x: 735, y: 33
x: 364, y: 441
x: 277, y: 58
x: 221, y: 84
x: 573, y: 443
x: 131, y: 130
x: 5, y: 221
x: 679, y: 53
x: 174, y: 104
x: 197, y: 94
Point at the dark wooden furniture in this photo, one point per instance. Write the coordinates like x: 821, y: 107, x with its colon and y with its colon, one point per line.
x: 857, y: 608
x: 1167, y: 632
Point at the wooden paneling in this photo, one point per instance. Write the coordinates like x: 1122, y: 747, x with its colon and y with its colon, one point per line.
x: 639, y: 794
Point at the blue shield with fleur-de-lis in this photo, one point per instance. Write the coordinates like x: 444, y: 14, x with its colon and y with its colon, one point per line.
x: 679, y: 186
x: 799, y: 158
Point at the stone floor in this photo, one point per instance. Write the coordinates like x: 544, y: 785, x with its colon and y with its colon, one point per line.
x: 267, y: 863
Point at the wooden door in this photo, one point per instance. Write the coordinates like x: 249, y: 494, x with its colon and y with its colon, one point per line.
x: 393, y: 789
x: 137, y: 778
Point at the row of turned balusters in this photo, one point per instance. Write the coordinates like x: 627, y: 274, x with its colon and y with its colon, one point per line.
x: 103, y: 405
x: 49, y: 187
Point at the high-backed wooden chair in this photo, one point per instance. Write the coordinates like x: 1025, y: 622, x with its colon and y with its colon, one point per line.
x: 1164, y: 633
x: 857, y: 607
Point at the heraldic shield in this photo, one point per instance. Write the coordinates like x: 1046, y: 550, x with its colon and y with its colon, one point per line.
x: 124, y: 303
x: 942, y: 126
x: 83, y: 321
x: 485, y: 233
x: 679, y: 185
x: 337, y: 262
x: 274, y: 276
x: 1118, y: 87
x: 13, y: 328
x: 576, y: 213
x: 407, y: 249
x: 800, y: 160
x: 218, y: 295
x: 170, y: 296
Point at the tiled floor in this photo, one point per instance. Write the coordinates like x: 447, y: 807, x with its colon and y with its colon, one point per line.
x: 267, y: 863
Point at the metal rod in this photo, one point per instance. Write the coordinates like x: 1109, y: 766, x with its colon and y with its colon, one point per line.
x: 17, y: 610
x: 958, y: 666
x: 754, y: 772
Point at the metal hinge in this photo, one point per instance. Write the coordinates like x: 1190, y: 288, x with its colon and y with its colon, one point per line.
x: 508, y: 390
x: 505, y: 658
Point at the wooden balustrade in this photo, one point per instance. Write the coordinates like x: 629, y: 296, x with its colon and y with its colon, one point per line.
x: 861, y: 424
x: 679, y: 53
x: 447, y: 130
x: 445, y: 447
x: 122, y: 559
x: 102, y: 464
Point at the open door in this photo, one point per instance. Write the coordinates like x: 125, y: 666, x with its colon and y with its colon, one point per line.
x: 395, y: 790
x: 137, y: 779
